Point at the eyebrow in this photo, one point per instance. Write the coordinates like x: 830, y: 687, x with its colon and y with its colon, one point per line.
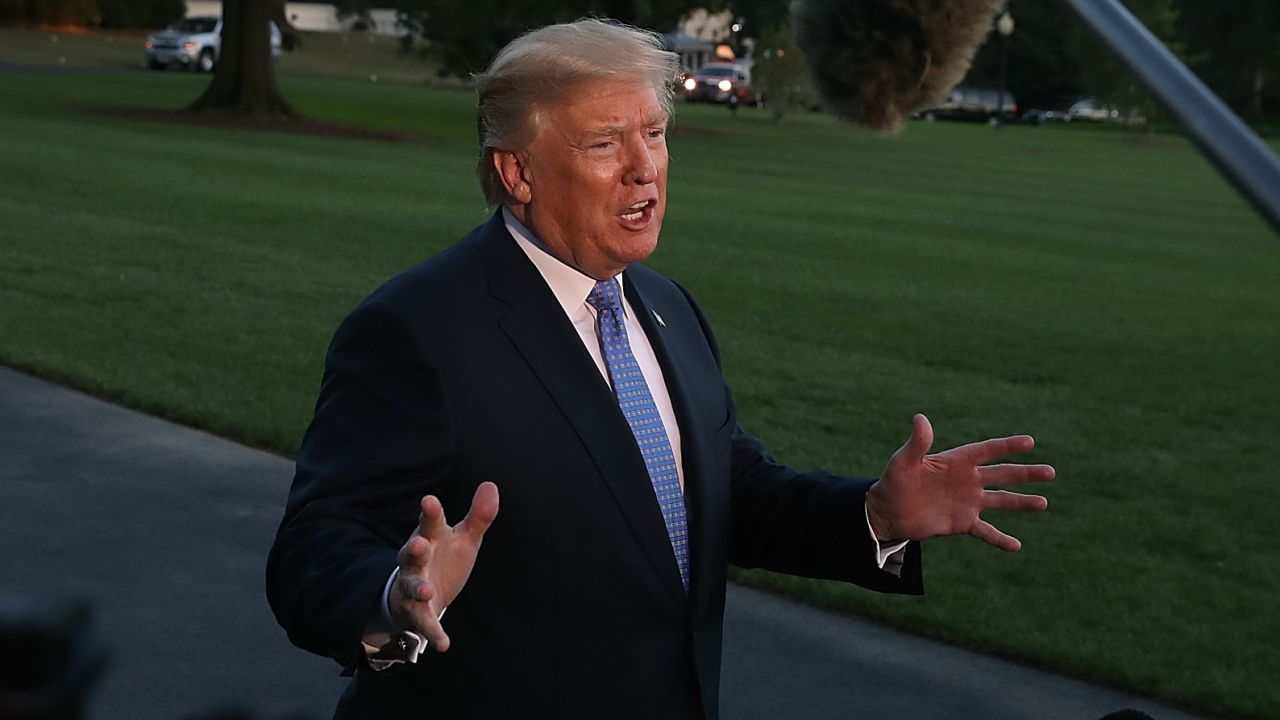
x: 611, y: 130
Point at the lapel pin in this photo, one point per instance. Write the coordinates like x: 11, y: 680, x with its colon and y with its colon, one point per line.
x: 658, y: 317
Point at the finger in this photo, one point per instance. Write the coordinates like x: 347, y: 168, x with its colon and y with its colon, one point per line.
x: 416, y: 611
x: 1010, y: 474
x: 981, y: 453
x: 428, y: 626
x: 484, y: 508
x: 415, y: 587
x: 431, y: 524
x: 1002, y: 500
x: 917, y: 446
x: 415, y: 555
x: 988, y: 533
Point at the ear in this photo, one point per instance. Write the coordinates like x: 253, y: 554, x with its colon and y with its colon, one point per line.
x: 515, y: 176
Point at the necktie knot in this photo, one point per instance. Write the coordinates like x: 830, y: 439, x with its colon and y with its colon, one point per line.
x: 604, y: 297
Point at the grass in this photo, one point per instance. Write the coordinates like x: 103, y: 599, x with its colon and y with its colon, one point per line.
x: 355, y: 55
x: 1105, y: 292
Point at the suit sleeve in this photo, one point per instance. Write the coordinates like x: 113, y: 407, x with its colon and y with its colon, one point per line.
x: 811, y: 524
x: 379, y: 441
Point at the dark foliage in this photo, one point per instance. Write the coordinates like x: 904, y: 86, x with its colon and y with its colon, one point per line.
x: 875, y: 61
x: 141, y: 13
x: 1041, y: 72
x: 52, y: 12
x: 1235, y: 48
x: 761, y: 16
x: 464, y: 35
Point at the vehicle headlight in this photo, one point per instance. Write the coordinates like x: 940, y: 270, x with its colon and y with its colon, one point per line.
x: 725, y: 86
x: 188, y: 46
x: 690, y: 84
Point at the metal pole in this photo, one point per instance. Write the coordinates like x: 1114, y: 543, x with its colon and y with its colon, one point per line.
x: 1245, y: 161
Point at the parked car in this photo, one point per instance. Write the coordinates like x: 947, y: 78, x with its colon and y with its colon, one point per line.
x: 195, y: 43
x: 1090, y: 110
x: 974, y: 105
x: 1038, y: 116
x: 720, y: 83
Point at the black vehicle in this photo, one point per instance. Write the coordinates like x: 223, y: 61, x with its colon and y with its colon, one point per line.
x: 1039, y: 116
x: 973, y: 104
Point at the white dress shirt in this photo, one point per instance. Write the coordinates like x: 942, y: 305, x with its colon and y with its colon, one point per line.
x: 571, y: 289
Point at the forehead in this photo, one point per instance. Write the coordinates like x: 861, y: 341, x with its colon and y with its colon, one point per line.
x: 592, y: 105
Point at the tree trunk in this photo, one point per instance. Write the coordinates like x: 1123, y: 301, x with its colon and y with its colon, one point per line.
x: 244, y: 81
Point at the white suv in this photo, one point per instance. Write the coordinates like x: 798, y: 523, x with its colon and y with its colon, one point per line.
x: 194, y: 42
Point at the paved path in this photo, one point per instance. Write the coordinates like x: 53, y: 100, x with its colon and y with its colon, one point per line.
x: 166, y: 529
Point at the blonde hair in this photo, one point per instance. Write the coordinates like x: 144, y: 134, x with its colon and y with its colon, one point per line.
x: 541, y: 66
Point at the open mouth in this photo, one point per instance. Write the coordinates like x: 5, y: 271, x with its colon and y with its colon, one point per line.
x: 639, y: 211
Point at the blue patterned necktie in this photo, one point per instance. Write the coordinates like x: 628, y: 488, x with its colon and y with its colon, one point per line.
x: 642, y: 415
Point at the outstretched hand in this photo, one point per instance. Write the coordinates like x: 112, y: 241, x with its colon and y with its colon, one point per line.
x: 921, y: 496
x: 435, y: 563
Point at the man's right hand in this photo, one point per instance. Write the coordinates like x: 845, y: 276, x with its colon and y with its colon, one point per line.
x: 435, y: 563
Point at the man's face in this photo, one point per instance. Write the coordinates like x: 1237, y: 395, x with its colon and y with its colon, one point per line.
x: 595, y: 176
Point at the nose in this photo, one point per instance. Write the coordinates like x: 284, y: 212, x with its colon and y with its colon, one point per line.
x: 644, y: 167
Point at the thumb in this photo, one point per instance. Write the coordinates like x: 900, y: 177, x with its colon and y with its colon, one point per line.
x: 917, y: 446
x: 484, y: 508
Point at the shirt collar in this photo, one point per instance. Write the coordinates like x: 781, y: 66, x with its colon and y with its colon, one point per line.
x: 570, y: 286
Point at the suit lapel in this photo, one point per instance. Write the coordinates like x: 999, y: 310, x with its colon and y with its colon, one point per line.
x: 535, y: 323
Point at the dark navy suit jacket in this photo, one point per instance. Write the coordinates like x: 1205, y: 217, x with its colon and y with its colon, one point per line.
x: 465, y: 369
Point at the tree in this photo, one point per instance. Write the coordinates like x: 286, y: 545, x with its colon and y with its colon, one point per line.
x: 762, y: 16
x: 1040, y: 71
x: 141, y: 13
x: 779, y: 70
x: 52, y: 12
x: 464, y: 35
x: 1235, y: 47
x: 245, y: 80
x: 1104, y: 74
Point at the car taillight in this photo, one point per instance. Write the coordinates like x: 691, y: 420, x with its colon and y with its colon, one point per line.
x: 148, y: 43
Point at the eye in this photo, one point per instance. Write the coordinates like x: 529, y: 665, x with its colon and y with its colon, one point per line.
x: 655, y: 133
x: 602, y: 145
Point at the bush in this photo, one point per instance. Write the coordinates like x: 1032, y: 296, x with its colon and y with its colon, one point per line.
x: 108, y: 13
x: 51, y: 12
x: 141, y: 13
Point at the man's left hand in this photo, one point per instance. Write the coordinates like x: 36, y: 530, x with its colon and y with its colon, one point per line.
x: 921, y: 496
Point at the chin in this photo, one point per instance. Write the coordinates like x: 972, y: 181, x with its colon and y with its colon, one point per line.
x: 638, y: 247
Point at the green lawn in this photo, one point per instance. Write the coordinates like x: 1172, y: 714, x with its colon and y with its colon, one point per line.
x: 347, y: 55
x: 1103, y: 291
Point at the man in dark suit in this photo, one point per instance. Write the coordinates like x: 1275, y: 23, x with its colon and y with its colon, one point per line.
x: 536, y: 356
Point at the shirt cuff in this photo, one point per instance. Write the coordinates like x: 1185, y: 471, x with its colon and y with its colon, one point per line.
x: 385, y: 643
x: 889, y: 555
